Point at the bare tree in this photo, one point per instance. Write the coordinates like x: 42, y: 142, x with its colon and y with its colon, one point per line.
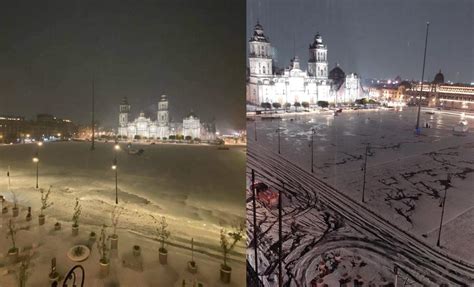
x: 45, y: 203
x: 162, y: 232
x: 230, y: 239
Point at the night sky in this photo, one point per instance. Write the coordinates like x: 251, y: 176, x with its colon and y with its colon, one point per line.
x: 374, y: 38
x: 192, y: 51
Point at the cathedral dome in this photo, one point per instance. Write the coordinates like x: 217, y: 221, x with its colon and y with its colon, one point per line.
x: 337, y: 76
x: 163, y: 98
x: 337, y: 73
x: 258, y: 34
x: 124, y: 101
x: 439, y: 78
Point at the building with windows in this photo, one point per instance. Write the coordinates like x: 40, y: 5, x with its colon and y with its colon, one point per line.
x: 143, y: 127
x: 292, y: 84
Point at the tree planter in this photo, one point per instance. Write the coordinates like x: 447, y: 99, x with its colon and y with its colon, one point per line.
x: 114, y: 242
x: 15, y: 211
x: 54, y: 277
x: 13, y: 255
x: 92, y: 237
x: 41, y: 219
x: 137, y: 251
x: 74, y: 255
x: 163, y: 255
x: 4, y: 210
x: 75, y: 230
x: 104, y: 268
x: 192, y: 267
x: 57, y: 226
x: 225, y: 273
x: 28, y: 216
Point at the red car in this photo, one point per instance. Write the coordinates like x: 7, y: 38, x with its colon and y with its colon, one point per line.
x: 265, y: 195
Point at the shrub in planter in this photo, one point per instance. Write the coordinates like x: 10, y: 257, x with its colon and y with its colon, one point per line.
x: 23, y: 273
x: 15, y: 210
x: 13, y: 251
x: 53, y: 274
x: 4, y: 208
x: 137, y: 251
x: 57, y: 226
x: 103, y: 252
x: 162, y: 234
x: 75, y: 218
x: 115, y: 220
x: 228, y: 242
x: 192, y: 266
x: 28, y: 215
x: 45, y: 203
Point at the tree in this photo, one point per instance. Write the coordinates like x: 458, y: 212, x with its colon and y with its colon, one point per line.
x: 197, y: 139
x: 305, y: 105
x: 276, y: 105
x: 172, y: 137
x: 287, y: 106
x: 162, y: 233
x: 188, y: 138
x: 45, y: 200
x: 77, y: 213
x: 11, y: 234
x: 115, y: 219
x: 102, y: 245
x: 229, y: 240
x: 297, y: 105
x: 323, y: 104
x: 137, y: 137
x: 266, y: 105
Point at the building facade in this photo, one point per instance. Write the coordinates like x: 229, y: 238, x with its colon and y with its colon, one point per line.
x: 292, y: 84
x: 161, y: 128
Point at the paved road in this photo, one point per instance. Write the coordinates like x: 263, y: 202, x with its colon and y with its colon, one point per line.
x: 429, y: 264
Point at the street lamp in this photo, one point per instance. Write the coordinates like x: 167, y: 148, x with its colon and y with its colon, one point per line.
x: 115, y: 167
x: 313, y: 132
x: 36, y: 160
x: 447, y: 185
x: 365, y: 171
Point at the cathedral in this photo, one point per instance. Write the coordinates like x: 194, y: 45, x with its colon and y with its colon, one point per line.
x: 146, y: 128
x: 292, y: 84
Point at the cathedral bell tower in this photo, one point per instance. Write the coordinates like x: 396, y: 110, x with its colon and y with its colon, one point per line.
x: 124, y: 112
x: 162, y: 114
x: 318, y: 62
x: 260, y: 59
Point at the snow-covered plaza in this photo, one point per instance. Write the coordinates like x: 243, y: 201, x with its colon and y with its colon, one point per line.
x: 197, y: 188
x: 405, y: 186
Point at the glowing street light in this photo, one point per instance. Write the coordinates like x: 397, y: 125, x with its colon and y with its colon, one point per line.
x: 115, y: 167
x: 36, y: 160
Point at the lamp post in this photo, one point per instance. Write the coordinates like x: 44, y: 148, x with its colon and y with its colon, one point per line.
x: 365, y: 171
x: 313, y: 132
x: 447, y: 185
x: 36, y: 160
x: 254, y: 205
x: 114, y: 167
x: 422, y: 78
x: 255, y: 129
x: 278, y: 131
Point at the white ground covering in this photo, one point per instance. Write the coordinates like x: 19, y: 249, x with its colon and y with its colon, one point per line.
x: 197, y: 188
x: 403, y: 186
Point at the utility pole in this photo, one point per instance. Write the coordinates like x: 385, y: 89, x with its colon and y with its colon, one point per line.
x: 447, y: 185
x: 365, y: 171
x: 313, y: 131
x: 254, y: 190
x: 255, y: 129
x: 93, y: 120
x: 278, y: 131
x: 280, y: 237
x: 422, y: 79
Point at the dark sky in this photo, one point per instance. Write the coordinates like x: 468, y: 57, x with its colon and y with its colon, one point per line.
x: 374, y: 38
x: 192, y: 51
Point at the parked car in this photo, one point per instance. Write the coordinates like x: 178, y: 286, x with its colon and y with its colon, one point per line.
x: 267, y: 196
